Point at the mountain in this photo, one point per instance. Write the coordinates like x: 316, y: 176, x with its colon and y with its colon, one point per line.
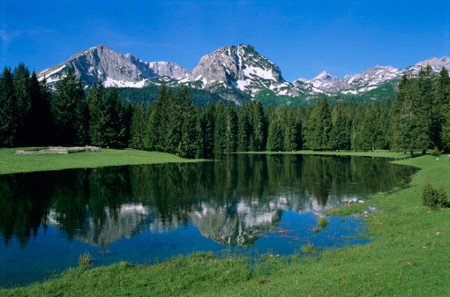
x: 238, y: 66
x: 231, y: 72
x: 100, y: 64
x: 369, y: 79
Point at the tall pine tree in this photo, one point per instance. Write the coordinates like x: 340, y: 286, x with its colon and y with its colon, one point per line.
x: 8, y: 110
x: 70, y: 111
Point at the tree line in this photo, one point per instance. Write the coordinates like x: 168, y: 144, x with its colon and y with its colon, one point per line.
x: 32, y: 114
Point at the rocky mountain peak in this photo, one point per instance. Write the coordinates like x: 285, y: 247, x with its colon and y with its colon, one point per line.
x: 237, y: 66
x: 435, y: 63
x: 234, y: 67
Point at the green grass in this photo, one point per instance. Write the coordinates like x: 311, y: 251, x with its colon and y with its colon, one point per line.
x: 12, y: 163
x: 409, y: 255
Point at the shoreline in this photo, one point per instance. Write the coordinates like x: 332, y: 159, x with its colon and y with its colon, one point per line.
x: 12, y: 163
x: 409, y: 241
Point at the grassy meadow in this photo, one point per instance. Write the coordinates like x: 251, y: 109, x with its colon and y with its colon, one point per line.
x: 409, y: 253
x: 12, y: 163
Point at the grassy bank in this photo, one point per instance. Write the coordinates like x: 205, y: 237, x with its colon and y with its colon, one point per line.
x: 409, y: 255
x: 12, y: 163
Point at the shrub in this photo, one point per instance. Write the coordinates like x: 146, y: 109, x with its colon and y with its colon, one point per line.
x: 432, y: 197
x: 308, y: 249
x: 436, y: 152
x: 85, y: 261
x: 323, y: 222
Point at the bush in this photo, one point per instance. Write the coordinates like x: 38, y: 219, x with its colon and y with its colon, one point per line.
x: 85, y: 261
x: 432, y: 197
x: 308, y: 249
x: 436, y: 152
x: 323, y: 222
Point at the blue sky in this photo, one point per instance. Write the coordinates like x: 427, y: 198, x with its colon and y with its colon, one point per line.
x: 302, y: 37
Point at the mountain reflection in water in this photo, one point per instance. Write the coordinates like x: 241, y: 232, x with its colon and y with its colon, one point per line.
x: 232, y: 201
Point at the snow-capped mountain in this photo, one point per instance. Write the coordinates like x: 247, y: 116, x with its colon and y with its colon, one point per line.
x: 240, y: 68
x: 353, y: 84
x: 368, y: 80
x: 435, y: 63
x: 100, y: 64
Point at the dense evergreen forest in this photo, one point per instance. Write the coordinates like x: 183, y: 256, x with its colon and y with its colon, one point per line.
x: 416, y: 118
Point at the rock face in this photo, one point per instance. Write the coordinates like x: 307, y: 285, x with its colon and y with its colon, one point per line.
x: 239, y: 68
x: 101, y: 64
x: 169, y: 69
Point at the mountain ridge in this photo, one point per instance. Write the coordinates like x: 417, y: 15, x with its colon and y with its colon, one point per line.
x: 239, y: 67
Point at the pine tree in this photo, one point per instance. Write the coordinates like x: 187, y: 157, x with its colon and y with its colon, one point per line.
x: 258, y: 127
x: 176, y: 108
x: 424, y: 100
x: 231, y: 128
x: 23, y: 97
x: 108, y: 119
x: 138, y: 126
x: 319, y: 126
x: 219, y: 128
x: 157, y: 126
x: 125, y: 112
x: 190, y: 133
x: 99, y: 116
x: 40, y: 115
x: 8, y: 110
x: 292, y: 130
x: 275, y: 141
x: 207, y: 131
x: 119, y: 120
x: 446, y: 128
x: 341, y: 132
x: 70, y: 111
x: 441, y: 99
x: 244, y: 128
x: 401, y: 115
x: 189, y: 144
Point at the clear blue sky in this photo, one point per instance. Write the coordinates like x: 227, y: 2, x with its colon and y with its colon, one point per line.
x: 302, y: 37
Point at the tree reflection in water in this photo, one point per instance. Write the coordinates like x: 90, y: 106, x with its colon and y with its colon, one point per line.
x: 232, y: 201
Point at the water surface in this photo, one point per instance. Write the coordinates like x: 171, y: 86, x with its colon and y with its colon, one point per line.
x: 143, y: 214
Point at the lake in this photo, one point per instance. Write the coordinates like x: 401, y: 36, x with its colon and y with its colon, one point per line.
x: 244, y: 204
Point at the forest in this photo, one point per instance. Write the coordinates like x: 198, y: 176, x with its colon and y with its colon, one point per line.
x: 417, y: 118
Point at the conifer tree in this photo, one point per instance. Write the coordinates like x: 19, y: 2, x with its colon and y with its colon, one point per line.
x: 157, y: 127
x: 176, y: 107
x: 99, y: 116
x: 190, y: 133
x: 70, y: 111
x: 292, y: 130
x: 23, y: 97
x: 8, y: 110
x: 244, y: 128
x: 319, y: 126
x: 231, y: 128
x: 341, y: 132
x: 258, y: 127
x: 207, y: 131
x: 423, y: 100
x: 189, y: 142
x: 275, y: 141
x: 446, y: 128
x: 219, y: 128
x: 138, y: 126
x: 40, y: 115
x: 108, y: 120
x: 440, y: 102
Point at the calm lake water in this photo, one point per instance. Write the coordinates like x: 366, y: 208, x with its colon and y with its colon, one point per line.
x: 143, y: 214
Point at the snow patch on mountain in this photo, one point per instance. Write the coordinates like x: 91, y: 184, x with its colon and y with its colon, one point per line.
x: 238, y: 67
